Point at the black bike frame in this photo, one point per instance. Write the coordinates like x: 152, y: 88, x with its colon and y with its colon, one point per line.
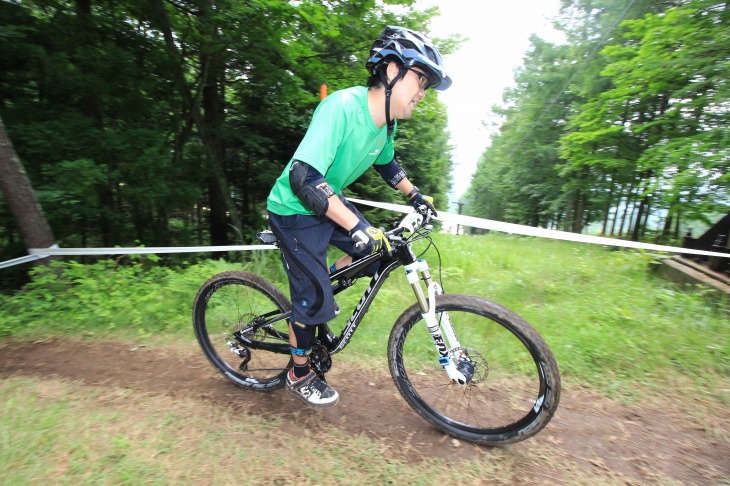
x: 341, y: 280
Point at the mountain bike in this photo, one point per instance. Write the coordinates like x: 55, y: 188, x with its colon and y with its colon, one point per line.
x: 472, y: 368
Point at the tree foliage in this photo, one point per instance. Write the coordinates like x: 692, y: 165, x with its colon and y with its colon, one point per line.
x: 627, y: 120
x: 166, y: 122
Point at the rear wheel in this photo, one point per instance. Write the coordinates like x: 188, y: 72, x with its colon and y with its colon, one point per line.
x: 230, y: 305
x: 514, y: 385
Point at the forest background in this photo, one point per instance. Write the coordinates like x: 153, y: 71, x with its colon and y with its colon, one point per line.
x: 165, y: 123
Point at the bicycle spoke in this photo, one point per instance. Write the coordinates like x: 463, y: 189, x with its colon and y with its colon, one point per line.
x: 506, y: 389
x: 224, y: 315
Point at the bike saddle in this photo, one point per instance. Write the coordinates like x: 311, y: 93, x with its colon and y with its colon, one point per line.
x: 267, y: 237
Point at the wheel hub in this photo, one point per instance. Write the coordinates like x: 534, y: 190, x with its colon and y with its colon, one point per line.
x: 471, y: 364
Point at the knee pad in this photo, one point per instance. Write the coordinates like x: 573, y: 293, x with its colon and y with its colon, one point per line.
x: 305, y: 338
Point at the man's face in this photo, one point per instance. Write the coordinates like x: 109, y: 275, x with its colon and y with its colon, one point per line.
x: 407, y: 92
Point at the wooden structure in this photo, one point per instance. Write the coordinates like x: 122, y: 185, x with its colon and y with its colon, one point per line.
x: 715, y: 239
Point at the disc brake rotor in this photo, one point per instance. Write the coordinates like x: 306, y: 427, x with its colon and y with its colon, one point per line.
x: 471, y: 364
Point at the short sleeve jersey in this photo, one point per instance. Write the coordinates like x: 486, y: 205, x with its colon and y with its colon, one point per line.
x: 342, y: 142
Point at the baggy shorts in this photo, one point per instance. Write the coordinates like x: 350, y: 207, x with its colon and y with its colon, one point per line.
x: 303, y: 240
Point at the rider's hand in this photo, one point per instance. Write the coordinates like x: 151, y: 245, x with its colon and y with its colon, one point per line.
x: 372, y: 239
x: 423, y: 204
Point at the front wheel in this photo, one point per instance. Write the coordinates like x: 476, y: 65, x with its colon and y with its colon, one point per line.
x: 514, y: 384
x: 227, y: 316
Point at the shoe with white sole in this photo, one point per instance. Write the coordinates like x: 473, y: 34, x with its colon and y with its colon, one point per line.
x: 312, y: 390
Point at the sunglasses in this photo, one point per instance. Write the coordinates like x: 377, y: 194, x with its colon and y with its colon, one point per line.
x: 422, y: 78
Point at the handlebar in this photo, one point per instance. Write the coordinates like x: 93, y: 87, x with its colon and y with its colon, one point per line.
x: 411, y: 223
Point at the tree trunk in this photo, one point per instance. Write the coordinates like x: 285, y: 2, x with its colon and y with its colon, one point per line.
x: 21, y: 199
x: 629, y: 202
x: 218, y: 184
x: 677, y: 225
x: 609, y: 202
x: 617, y: 210
x: 213, y: 101
x: 639, y: 218
x: 218, y: 221
x: 667, y: 225
x: 647, y: 214
x: 567, y: 222
x: 183, y: 116
x: 578, y: 215
x: 643, y: 203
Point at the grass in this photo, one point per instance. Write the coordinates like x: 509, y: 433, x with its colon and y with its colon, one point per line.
x: 56, y: 432
x: 613, y: 326
x: 611, y: 323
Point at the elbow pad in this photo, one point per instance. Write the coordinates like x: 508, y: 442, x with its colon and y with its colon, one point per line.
x: 391, y: 172
x: 304, y: 179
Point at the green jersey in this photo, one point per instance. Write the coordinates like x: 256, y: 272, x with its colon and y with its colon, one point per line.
x: 342, y: 142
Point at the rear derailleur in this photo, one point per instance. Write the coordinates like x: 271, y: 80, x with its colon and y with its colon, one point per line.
x: 243, y: 352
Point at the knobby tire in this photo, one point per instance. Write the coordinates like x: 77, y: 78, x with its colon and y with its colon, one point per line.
x: 515, y: 388
x: 227, y: 303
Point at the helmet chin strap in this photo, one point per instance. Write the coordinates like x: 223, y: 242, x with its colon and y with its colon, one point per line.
x: 388, y: 91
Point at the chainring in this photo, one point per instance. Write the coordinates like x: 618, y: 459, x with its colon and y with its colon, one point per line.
x: 320, y: 359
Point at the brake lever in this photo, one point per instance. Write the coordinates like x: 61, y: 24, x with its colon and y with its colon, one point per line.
x: 427, y: 214
x: 396, y: 240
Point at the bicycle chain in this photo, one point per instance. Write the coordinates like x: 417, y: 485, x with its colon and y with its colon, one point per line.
x: 266, y: 369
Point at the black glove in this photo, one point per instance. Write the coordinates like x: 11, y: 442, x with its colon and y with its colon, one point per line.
x: 423, y: 204
x: 369, y: 239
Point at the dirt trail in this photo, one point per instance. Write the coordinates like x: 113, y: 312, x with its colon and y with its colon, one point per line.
x: 654, y: 441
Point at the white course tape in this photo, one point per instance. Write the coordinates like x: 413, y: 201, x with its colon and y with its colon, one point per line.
x: 146, y: 250
x: 18, y: 261
x: 25, y: 259
x: 541, y: 232
x: 38, y: 253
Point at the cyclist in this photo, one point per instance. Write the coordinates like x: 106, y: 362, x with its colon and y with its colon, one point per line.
x: 350, y: 131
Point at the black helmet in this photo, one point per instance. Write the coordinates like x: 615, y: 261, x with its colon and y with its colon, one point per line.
x: 412, y: 49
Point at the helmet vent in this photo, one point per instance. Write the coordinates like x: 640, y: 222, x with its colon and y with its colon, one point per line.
x: 431, y: 55
x: 408, y: 44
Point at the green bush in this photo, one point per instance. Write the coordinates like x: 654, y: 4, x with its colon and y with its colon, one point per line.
x: 136, y: 298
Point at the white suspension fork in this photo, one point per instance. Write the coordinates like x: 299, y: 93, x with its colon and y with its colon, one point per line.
x: 415, y: 272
